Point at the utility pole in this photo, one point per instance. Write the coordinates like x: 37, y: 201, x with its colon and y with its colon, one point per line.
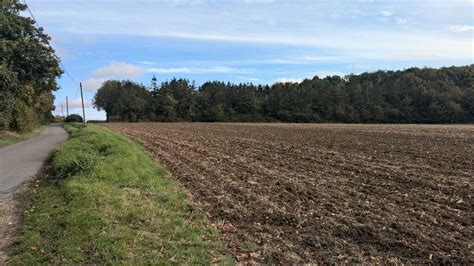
x: 83, y: 112
x: 67, y: 107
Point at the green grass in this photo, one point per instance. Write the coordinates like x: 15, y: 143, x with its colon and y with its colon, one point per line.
x: 8, y: 137
x: 109, y: 203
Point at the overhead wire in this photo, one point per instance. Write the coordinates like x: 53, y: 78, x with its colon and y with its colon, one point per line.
x: 60, y: 63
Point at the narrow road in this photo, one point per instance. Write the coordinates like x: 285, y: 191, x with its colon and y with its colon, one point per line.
x: 18, y: 164
x: 22, y: 161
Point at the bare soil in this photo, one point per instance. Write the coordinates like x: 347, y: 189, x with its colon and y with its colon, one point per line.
x: 9, y: 220
x: 13, y: 205
x: 326, y: 192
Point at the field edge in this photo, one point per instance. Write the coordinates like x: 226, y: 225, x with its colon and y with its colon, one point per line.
x: 106, y: 201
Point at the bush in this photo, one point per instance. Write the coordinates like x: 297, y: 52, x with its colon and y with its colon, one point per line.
x: 74, y: 118
x: 71, y: 160
x: 59, y: 119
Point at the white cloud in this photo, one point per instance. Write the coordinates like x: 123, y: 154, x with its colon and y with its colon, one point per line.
x: 288, y: 80
x: 461, y: 28
x: 400, y: 20
x: 73, y: 103
x: 186, y: 2
x: 247, y: 78
x: 293, y: 23
x: 282, y: 61
x: 119, y: 69
x: 113, y: 70
x: 320, y: 74
x: 361, y: 44
x: 147, y: 63
x: 324, y: 58
x: 92, y: 84
x: 417, y: 12
x: 200, y: 70
x: 125, y: 70
x: 259, y: 1
x: 386, y: 13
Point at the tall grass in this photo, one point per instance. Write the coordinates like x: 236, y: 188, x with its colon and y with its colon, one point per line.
x: 108, y: 203
x: 9, y: 137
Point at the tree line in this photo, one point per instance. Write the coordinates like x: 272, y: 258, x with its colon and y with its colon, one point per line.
x: 28, y: 70
x: 414, y: 95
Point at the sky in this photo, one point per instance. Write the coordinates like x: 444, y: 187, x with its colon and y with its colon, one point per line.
x: 258, y: 41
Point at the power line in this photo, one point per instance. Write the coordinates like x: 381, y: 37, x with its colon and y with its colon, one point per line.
x: 75, y: 94
x: 31, y: 13
x: 60, y: 63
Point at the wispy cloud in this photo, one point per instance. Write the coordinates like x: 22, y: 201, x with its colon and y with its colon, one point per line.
x: 259, y: 1
x: 325, y: 58
x: 461, y: 28
x: 386, y: 13
x: 149, y: 63
x: 288, y: 80
x: 320, y: 74
x: 200, y: 70
x: 400, y: 20
x: 359, y: 44
x: 251, y: 79
x: 280, y: 23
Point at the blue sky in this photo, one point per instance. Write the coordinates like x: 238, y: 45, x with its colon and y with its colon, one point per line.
x: 259, y: 41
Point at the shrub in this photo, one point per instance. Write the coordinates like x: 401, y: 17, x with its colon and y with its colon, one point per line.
x: 74, y: 118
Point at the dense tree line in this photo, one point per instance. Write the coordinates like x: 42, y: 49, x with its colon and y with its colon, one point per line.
x: 414, y: 95
x: 28, y: 70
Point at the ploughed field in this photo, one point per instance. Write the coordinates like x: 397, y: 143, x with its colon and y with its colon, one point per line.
x: 326, y: 192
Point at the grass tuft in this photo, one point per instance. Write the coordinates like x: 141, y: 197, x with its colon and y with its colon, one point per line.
x: 8, y: 137
x: 108, y: 202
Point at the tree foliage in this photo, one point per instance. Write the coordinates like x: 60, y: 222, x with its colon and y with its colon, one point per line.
x: 122, y: 100
x: 28, y: 70
x: 74, y: 118
x: 413, y: 95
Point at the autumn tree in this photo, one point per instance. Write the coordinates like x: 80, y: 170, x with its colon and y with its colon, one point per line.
x: 28, y: 70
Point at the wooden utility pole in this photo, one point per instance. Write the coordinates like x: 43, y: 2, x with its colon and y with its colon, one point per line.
x: 83, y: 112
x: 67, y: 107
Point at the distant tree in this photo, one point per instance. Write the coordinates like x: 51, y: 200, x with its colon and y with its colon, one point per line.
x: 105, y: 97
x: 211, y: 102
x: 242, y: 102
x: 413, y: 95
x: 122, y: 100
x: 151, y: 104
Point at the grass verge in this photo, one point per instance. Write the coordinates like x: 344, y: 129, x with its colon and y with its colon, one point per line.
x: 108, y: 203
x: 8, y: 137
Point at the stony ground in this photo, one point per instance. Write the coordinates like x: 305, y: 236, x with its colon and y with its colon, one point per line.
x: 326, y: 193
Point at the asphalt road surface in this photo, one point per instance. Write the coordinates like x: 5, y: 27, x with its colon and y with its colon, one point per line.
x: 21, y: 161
